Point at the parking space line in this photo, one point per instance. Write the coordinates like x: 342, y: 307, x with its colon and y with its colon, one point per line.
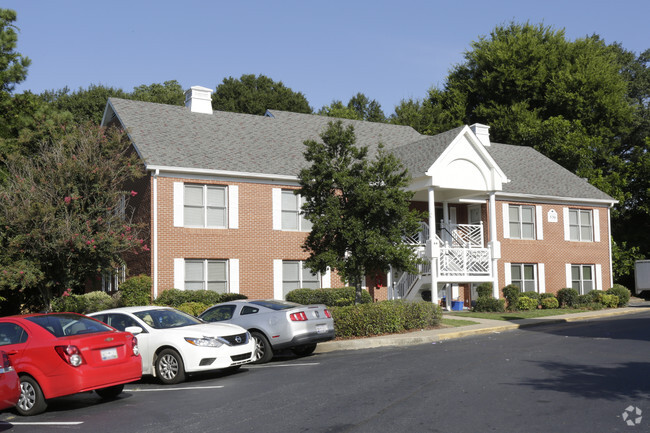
x: 171, y: 389
x: 43, y: 423
x: 282, y: 365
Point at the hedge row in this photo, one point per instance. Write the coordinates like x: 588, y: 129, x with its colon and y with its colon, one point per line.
x: 175, y: 297
x: 338, y: 297
x: 386, y: 317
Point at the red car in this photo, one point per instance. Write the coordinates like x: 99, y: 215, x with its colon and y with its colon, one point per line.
x: 65, y: 353
x: 9, y: 383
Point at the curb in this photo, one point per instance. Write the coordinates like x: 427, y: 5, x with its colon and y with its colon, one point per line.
x: 486, y: 327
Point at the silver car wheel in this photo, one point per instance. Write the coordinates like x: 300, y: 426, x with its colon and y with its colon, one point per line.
x: 27, y: 396
x: 168, y: 365
x: 263, y: 351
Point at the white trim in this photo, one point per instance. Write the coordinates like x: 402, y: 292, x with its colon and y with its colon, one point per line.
x: 532, y: 198
x: 539, y: 222
x: 506, y: 220
x: 233, y: 207
x: 599, y: 277
x: 596, y: 224
x: 225, y: 173
x: 179, y: 274
x: 569, y: 280
x: 541, y: 278
x: 277, y: 279
x: 233, y: 275
x: 276, y: 195
x: 508, y: 273
x: 565, y: 221
x: 178, y: 204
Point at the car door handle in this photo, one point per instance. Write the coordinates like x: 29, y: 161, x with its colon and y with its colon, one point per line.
x: 13, y: 352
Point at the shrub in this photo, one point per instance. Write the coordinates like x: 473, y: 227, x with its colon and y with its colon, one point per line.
x: 531, y: 295
x: 595, y: 295
x: 175, y: 297
x: 193, y: 308
x: 526, y: 303
x: 384, y: 317
x: 340, y: 297
x: 98, y: 301
x: 511, y: 293
x: 489, y: 305
x: 583, y: 301
x: 622, y: 292
x: 567, y: 297
x: 546, y: 295
x: 135, y: 291
x: 549, y: 302
x: 83, y: 304
x: 484, y: 290
x: 609, y: 301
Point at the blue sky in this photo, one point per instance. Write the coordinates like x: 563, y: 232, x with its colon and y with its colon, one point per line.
x: 389, y: 50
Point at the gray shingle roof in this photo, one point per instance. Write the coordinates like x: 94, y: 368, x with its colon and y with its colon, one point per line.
x: 172, y: 136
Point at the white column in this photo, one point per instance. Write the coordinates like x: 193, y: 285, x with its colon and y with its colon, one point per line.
x: 495, y: 246
x: 433, y: 249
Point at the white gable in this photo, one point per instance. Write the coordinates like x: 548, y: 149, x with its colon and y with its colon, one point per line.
x: 466, y: 165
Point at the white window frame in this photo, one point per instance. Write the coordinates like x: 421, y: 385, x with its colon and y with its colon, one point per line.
x: 523, y: 280
x: 580, y: 226
x: 231, y: 205
x: 303, y: 225
x: 594, y: 277
x: 520, y: 222
x: 232, y: 273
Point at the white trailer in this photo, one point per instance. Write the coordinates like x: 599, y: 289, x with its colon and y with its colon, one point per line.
x: 641, y: 276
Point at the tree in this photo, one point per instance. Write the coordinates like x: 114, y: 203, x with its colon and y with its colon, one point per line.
x: 170, y: 92
x: 84, y: 104
x: 255, y: 95
x: 359, y: 108
x: 65, y: 216
x: 13, y: 66
x: 359, y: 209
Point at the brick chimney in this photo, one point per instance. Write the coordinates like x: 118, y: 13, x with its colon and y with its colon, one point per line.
x: 199, y: 100
x: 482, y: 132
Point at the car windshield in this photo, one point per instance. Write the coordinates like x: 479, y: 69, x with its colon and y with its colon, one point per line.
x: 276, y: 305
x: 61, y: 325
x: 164, y: 318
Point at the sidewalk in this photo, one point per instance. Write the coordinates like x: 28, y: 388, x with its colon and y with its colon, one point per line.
x: 482, y: 326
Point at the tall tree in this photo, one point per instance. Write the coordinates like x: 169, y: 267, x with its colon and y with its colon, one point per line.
x: 359, y: 108
x: 13, y: 65
x: 65, y: 216
x: 254, y: 95
x: 170, y: 92
x: 359, y: 208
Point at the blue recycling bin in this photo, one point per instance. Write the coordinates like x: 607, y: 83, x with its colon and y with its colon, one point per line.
x: 457, y: 305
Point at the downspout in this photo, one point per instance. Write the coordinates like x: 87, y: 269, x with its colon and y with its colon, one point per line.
x: 609, y: 235
x: 154, y: 240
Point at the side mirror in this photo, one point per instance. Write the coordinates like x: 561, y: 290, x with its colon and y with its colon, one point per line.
x: 135, y: 330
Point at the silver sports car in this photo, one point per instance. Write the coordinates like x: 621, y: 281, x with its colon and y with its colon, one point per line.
x: 276, y: 325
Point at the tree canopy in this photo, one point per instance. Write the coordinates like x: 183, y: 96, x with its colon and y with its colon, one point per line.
x: 359, y: 107
x: 254, y: 95
x: 359, y: 208
x: 65, y: 215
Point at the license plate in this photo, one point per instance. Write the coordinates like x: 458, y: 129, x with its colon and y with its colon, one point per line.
x: 109, y: 354
x: 321, y: 329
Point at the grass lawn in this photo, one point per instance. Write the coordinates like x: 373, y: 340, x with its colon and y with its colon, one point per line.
x: 516, y: 315
x: 454, y: 323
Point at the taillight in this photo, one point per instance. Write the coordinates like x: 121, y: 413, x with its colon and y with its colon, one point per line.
x: 134, y: 346
x: 6, y: 364
x: 328, y: 314
x: 70, y: 354
x: 298, y: 317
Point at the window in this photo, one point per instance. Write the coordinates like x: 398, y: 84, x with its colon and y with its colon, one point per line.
x: 288, y: 208
x: 206, y: 275
x: 219, y: 313
x: 523, y: 276
x: 121, y: 321
x: 580, y: 225
x: 296, y: 276
x: 521, y: 221
x: 11, y: 333
x: 582, y: 278
x: 205, y: 206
